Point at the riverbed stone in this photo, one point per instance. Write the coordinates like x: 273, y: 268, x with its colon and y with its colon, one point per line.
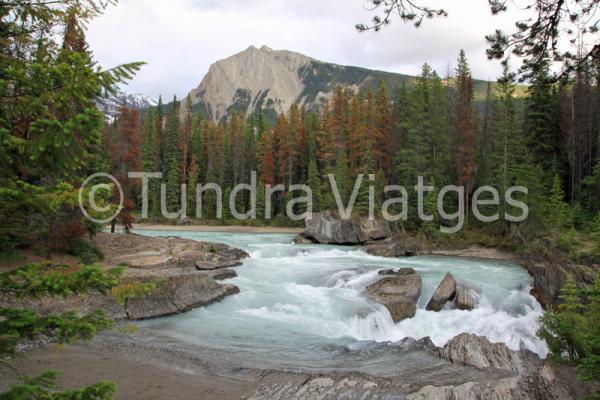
x: 445, y: 292
x: 467, y: 298
x: 398, y: 293
x: 328, y: 227
x: 178, y: 294
x: 401, y: 271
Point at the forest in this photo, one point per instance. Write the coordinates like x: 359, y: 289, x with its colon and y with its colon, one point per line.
x: 546, y: 140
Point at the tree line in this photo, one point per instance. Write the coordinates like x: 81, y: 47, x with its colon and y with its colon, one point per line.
x: 543, y: 136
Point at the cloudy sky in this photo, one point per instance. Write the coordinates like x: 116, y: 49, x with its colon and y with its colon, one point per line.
x: 179, y: 39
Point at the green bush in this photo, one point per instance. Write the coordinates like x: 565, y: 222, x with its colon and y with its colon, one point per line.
x: 42, y: 387
x: 86, y: 251
x: 573, y: 330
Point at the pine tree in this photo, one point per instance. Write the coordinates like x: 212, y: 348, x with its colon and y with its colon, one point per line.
x: 125, y: 157
x: 508, y: 151
x: 326, y: 148
x: 562, y: 330
x: 265, y: 159
x: 558, y: 212
x: 185, y: 139
x: 368, y: 168
x: 383, y: 120
x: 227, y: 216
x: 465, y: 127
x: 161, y: 137
x: 400, y: 115
x: 315, y: 184
x: 542, y: 124
x: 260, y: 200
x: 439, y: 138
x: 342, y: 178
x: 356, y: 134
x: 149, y: 156
x: 173, y: 158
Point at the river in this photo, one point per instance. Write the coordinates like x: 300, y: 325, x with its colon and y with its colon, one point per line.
x: 301, y: 308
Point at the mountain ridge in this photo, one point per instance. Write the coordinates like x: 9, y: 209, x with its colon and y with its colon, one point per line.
x: 273, y: 80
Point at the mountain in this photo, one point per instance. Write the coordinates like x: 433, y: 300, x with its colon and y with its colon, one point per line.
x: 109, y: 105
x: 275, y: 79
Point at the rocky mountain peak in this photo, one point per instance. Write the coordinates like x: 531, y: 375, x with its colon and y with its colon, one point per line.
x: 253, y: 78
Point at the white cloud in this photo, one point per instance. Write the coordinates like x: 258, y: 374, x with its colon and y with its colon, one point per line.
x: 180, y: 38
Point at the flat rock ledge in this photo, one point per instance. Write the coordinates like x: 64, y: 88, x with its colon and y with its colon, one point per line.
x: 185, y: 273
x: 504, y: 375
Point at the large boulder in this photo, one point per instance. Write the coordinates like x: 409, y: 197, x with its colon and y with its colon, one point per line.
x: 178, y: 294
x: 467, y: 297
x: 481, y: 353
x: 445, y: 292
x: 532, y: 378
x: 398, y: 293
x: 329, y: 228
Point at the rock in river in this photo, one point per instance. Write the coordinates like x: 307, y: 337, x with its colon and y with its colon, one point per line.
x: 445, y: 292
x: 178, y: 294
x: 401, y: 271
x: 467, y: 298
x: 398, y: 293
x: 329, y: 228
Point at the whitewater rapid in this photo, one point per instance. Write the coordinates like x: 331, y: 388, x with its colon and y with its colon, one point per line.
x: 302, y: 305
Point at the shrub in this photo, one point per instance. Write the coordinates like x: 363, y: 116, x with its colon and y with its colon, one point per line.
x: 573, y: 331
x: 86, y: 251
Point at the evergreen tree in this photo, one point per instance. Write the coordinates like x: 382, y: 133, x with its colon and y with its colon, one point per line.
x: 315, y: 184
x: 383, y: 120
x: 439, y: 137
x: 508, y: 152
x: 173, y: 158
x: 342, y: 178
x: 465, y: 127
x: 149, y: 156
x: 227, y: 216
x: 368, y: 168
x: 561, y: 329
x: 542, y: 125
x: 558, y: 213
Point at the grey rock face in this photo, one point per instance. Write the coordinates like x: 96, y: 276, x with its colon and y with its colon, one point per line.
x: 467, y: 298
x: 273, y: 80
x: 142, y: 252
x: 398, y: 247
x: 178, y: 294
x: 445, y: 292
x: 302, y: 239
x: 479, y: 352
x: 490, y: 371
x: 399, y: 294
x: 328, y: 228
x: 401, y: 271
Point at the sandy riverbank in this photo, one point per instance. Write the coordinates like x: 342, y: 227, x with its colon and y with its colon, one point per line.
x: 215, y: 228
x: 136, y: 379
